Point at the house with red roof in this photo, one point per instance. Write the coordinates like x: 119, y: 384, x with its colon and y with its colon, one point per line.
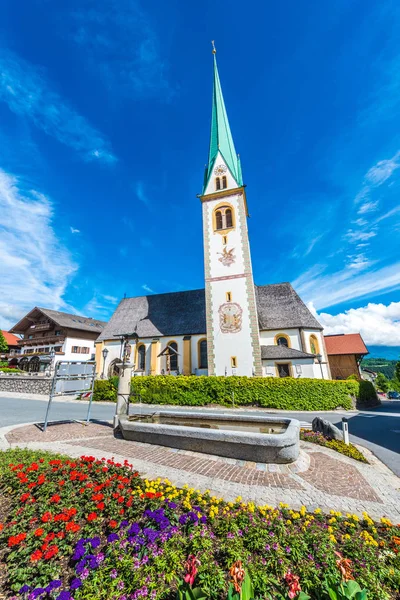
x: 12, y: 343
x: 345, y: 352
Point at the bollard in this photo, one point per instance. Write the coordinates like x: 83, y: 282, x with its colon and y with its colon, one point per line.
x: 345, y: 430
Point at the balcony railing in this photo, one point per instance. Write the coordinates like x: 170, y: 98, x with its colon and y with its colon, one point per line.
x: 42, y: 341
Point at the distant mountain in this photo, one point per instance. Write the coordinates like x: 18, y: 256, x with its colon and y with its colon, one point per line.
x: 389, y: 352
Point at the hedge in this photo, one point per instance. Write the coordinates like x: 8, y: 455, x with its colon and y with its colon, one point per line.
x: 267, y: 392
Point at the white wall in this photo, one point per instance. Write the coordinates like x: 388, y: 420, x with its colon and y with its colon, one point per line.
x: 307, y: 368
x: 82, y: 343
x: 317, y: 368
x: 267, y: 338
x: 227, y: 345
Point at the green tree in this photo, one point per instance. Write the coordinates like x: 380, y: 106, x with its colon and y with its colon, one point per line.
x: 397, y: 371
x: 3, y: 343
x: 381, y: 382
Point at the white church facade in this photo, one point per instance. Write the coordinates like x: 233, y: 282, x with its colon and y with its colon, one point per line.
x: 232, y: 327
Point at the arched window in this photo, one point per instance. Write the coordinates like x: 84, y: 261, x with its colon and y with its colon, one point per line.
x: 224, y: 218
x: 314, y: 346
x: 24, y: 363
x: 281, y: 339
x: 203, y: 354
x: 217, y: 183
x: 34, y: 364
x: 142, y: 358
x: 173, y: 361
x: 114, y: 368
x: 224, y: 183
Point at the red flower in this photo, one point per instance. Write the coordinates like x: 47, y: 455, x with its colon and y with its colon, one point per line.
x: 100, y: 506
x: 39, y: 532
x: 121, y: 500
x: 41, y: 479
x: 62, y: 482
x: 47, y: 517
x: 191, y: 569
x: 113, y: 523
x: 41, y: 460
x: 1, y: 526
x: 14, y: 540
x: 24, y: 497
x: 52, y: 551
x: 55, y: 498
x: 74, y: 527
x: 97, y: 497
x: 293, y: 584
x: 50, y: 537
x: 61, y: 535
x: 37, y: 555
x: 92, y: 516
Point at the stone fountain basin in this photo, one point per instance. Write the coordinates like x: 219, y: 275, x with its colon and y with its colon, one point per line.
x: 279, y: 448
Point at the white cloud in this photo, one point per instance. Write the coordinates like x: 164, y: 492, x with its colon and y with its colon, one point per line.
x: 25, y: 89
x: 368, y: 207
x: 359, y: 262
x: 147, y: 288
x: 73, y: 230
x: 35, y: 267
x: 139, y: 189
x: 359, y: 236
x: 329, y: 289
x: 99, y: 306
x: 383, y: 169
x: 379, y: 324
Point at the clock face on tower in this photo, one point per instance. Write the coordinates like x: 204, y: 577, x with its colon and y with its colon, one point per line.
x: 220, y: 170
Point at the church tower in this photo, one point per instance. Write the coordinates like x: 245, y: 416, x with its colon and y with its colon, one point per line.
x: 233, y: 341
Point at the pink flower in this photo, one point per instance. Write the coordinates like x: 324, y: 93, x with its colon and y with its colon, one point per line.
x: 293, y: 584
x: 191, y: 569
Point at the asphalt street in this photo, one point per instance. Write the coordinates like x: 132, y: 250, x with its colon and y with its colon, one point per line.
x: 377, y: 429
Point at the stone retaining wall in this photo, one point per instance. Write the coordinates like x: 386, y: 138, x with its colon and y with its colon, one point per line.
x: 25, y: 384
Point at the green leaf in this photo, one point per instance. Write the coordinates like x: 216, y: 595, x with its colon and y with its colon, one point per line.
x: 232, y: 593
x: 197, y: 594
x: 352, y: 588
x: 303, y: 596
x: 333, y: 594
x: 247, y: 592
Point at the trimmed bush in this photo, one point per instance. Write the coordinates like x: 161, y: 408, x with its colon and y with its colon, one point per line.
x: 267, y: 392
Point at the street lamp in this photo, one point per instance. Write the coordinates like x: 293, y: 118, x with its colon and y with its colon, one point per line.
x: 104, y: 353
x: 319, y: 359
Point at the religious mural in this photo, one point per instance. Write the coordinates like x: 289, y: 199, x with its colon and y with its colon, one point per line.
x: 230, y: 317
x: 227, y: 257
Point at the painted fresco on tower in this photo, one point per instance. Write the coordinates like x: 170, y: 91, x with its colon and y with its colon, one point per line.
x: 227, y: 257
x: 230, y: 317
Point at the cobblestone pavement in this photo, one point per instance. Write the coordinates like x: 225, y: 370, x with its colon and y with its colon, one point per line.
x: 319, y: 478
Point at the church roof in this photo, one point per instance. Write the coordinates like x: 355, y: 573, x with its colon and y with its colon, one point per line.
x: 282, y: 352
x: 184, y: 313
x: 280, y: 307
x: 221, y: 139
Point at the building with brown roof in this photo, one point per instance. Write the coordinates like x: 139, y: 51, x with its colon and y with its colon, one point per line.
x: 12, y: 342
x: 345, y: 352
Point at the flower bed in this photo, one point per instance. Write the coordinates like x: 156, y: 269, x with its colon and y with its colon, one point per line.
x: 88, y: 529
x: 337, y: 445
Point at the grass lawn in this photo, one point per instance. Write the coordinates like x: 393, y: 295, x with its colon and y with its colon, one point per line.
x: 89, y: 529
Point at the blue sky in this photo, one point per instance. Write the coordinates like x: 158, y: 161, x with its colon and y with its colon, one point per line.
x: 105, y: 108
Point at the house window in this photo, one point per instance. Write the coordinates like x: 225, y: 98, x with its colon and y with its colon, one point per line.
x: 58, y: 332
x: 233, y: 362
x: 75, y: 349
x: 224, y: 218
x: 229, y: 296
x: 142, y: 358
x: 217, y: 183
x: 85, y: 350
x: 281, y: 339
x: 224, y: 182
x: 57, y: 348
x: 283, y: 369
x: 225, y: 240
x: 30, y: 337
x: 173, y: 357
x: 203, y: 364
x: 314, y: 346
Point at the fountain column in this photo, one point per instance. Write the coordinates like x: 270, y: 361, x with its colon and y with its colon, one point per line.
x: 124, y: 389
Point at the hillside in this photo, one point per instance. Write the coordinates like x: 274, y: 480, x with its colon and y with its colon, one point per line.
x: 380, y: 365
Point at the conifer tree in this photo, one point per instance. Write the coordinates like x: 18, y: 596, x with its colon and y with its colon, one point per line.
x: 3, y: 343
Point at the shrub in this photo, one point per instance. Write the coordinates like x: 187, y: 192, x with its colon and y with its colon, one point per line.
x: 268, y: 392
x: 10, y: 370
x: 104, y: 390
x: 337, y: 445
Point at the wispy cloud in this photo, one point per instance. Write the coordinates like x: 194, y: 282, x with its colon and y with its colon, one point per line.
x: 73, y: 230
x: 359, y: 262
x: 25, y: 89
x: 100, y: 306
x: 359, y: 236
x: 35, y: 267
x: 140, y: 193
x: 368, y: 207
x: 328, y: 289
x: 379, y: 324
x: 122, y: 46
x: 146, y: 288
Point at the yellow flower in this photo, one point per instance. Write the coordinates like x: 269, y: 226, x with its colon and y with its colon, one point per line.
x: 333, y: 520
x: 317, y: 511
x: 288, y: 522
x: 333, y: 539
x: 347, y: 536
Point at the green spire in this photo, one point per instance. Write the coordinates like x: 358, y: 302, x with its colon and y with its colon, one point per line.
x: 221, y: 137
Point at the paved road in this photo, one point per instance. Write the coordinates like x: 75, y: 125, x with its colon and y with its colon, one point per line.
x: 377, y: 429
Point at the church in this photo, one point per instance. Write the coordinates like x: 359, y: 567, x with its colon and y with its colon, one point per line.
x: 232, y: 326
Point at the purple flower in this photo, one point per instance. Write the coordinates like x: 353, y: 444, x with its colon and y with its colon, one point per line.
x: 268, y: 547
x: 113, y: 537
x: 172, y: 505
x: 288, y: 549
x: 95, y: 542
x: 25, y: 588
x: 120, y: 585
x: 114, y: 574
x: 53, y: 585
x: 64, y: 595
x: 85, y: 574
x: 99, y: 558
x: 75, y: 583
x: 38, y: 592
x: 80, y: 566
x: 271, y: 533
x: 79, y: 552
x: 275, y: 546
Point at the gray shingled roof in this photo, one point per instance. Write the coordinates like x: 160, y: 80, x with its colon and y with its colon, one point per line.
x: 280, y: 307
x: 184, y: 313
x: 63, y: 320
x: 280, y: 352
